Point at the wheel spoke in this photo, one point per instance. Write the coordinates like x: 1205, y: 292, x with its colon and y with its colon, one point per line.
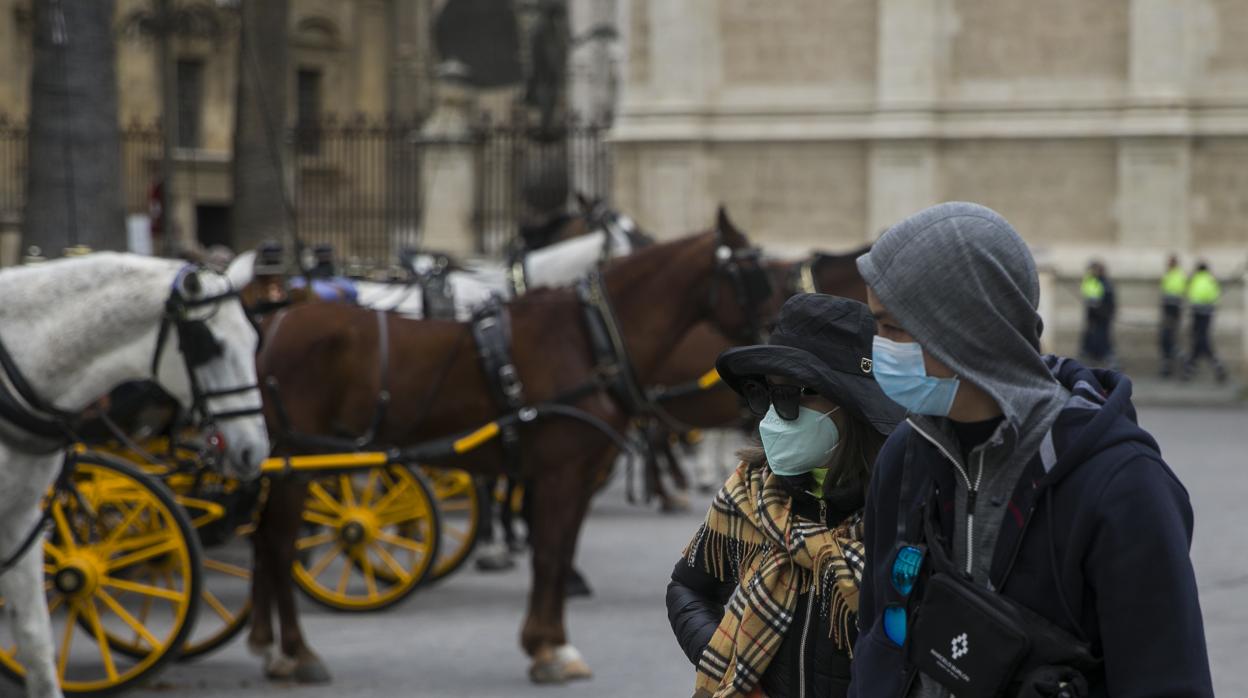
x: 370, y: 578
x: 169, y: 545
x: 344, y: 578
x: 319, y: 539
x: 348, y: 494
x: 62, y: 527
x: 396, y: 489
x: 226, y: 568
x: 393, y: 564
x: 101, y: 639
x: 125, y: 524
x: 144, y: 589
x: 71, y: 621
x: 139, y: 629
x: 316, y: 570
x: 215, y: 604
x: 370, y: 486
x: 318, y: 491
x: 458, y: 505
x: 319, y: 519
x: 460, y: 536
x: 412, y: 545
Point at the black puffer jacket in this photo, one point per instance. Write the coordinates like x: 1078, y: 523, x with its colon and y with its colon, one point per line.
x: 808, y: 662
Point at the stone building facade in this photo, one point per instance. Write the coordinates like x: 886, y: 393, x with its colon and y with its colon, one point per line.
x: 1115, y: 129
x: 365, y: 58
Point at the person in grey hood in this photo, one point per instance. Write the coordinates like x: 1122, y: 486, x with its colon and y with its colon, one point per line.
x: 1023, y: 534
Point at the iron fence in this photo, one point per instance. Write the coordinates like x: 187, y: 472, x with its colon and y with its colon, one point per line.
x: 358, y: 184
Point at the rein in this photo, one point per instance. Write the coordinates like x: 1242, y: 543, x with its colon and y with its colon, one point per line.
x: 21, y: 406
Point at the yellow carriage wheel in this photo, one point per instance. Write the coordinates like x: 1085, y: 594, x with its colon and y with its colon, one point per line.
x: 120, y: 561
x: 459, y: 502
x: 225, y: 591
x: 357, y: 523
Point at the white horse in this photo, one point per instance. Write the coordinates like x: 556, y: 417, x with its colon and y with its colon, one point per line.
x: 560, y: 264
x: 75, y: 329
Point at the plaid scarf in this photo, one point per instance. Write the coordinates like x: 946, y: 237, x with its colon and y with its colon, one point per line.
x: 752, y: 535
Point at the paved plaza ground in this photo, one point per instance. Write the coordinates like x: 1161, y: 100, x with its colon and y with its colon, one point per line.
x: 460, y: 637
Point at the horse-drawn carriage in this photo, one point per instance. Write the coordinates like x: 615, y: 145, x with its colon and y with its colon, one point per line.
x: 147, y: 559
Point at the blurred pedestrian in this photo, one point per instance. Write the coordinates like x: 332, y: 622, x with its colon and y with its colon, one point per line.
x: 1173, y: 288
x: 764, y: 601
x: 1203, y: 293
x: 1100, y: 306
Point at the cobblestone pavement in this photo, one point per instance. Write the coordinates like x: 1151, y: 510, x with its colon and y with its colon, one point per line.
x: 460, y: 637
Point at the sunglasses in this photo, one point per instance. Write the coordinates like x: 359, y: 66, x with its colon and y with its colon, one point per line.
x: 907, y: 562
x: 760, y: 395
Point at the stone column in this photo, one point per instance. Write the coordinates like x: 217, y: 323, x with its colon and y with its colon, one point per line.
x: 685, y: 77
x: 1153, y: 172
x: 1158, y: 66
x: 903, y: 180
x: 902, y: 163
x: 448, y: 182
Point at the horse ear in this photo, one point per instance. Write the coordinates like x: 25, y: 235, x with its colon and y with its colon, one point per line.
x: 191, y: 285
x: 728, y: 232
x: 584, y: 202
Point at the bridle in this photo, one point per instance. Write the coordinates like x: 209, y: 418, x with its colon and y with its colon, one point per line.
x: 198, y: 346
x: 750, y: 284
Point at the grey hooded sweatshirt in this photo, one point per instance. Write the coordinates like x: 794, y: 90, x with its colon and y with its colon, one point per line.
x: 961, y: 281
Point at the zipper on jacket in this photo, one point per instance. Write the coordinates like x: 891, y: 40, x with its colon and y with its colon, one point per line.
x: 801, y: 654
x: 972, y: 493
x: 972, y: 490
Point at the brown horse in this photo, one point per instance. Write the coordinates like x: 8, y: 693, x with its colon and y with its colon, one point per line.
x: 324, y: 359
x: 718, y: 407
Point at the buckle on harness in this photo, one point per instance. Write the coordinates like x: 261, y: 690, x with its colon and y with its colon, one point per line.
x: 509, y: 381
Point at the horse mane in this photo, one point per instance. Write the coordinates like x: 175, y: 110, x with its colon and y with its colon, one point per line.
x: 831, y: 257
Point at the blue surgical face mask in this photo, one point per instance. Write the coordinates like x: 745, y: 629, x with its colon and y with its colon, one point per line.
x: 798, y: 446
x: 899, y: 369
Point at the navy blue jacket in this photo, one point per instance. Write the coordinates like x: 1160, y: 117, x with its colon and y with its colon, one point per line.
x: 1110, y: 522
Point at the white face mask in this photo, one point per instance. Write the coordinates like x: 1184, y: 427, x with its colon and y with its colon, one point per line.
x: 798, y: 446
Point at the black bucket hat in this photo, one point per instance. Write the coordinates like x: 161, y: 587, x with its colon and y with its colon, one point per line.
x: 824, y: 343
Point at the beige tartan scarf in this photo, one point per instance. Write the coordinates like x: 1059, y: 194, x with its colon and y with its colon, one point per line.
x: 752, y: 535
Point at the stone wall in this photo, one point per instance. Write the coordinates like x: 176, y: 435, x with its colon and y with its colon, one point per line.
x: 1115, y: 129
x: 1053, y: 191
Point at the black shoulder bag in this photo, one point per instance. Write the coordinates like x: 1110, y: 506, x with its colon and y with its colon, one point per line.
x: 980, y: 644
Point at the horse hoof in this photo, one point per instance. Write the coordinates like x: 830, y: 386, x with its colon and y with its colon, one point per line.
x: 546, y: 668
x: 574, y: 665
x: 675, y: 504
x: 311, y: 670
x: 494, y: 558
x: 279, y: 666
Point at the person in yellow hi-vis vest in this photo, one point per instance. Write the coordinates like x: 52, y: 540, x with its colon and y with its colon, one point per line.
x: 1099, y: 305
x: 1173, y: 288
x: 1203, y: 293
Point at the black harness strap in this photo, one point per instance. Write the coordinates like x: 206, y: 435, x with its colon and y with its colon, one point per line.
x: 491, y: 329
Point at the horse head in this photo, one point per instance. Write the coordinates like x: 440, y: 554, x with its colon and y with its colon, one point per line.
x: 741, y: 290
x: 213, y: 371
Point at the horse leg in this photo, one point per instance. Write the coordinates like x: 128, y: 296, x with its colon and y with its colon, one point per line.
x: 676, y: 501
x: 559, y: 506
x: 492, y: 556
x: 296, y: 660
x: 22, y: 588
x: 260, y: 637
x: 507, y: 518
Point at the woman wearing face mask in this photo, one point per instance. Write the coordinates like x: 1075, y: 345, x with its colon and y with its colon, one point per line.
x: 764, y: 599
